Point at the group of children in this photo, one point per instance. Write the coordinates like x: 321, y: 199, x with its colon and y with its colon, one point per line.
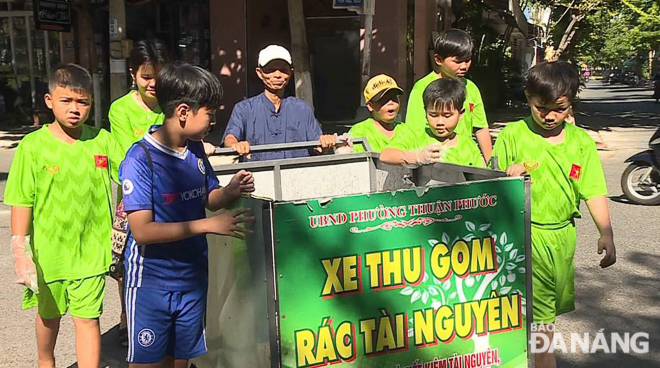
x: 59, y: 188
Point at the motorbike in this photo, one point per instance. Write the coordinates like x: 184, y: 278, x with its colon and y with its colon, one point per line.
x: 640, y: 181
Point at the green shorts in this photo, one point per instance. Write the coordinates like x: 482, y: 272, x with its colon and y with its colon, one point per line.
x: 553, y: 271
x: 83, y: 298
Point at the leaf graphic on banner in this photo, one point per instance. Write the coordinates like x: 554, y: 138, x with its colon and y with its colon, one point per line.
x: 508, y: 247
x: 447, y: 285
x: 433, y: 291
x: 520, y: 258
x: 513, y: 254
x: 469, y: 282
x: 452, y: 295
x: 470, y: 226
x: 510, y: 266
x: 416, y: 295
x: 407, y: 290
x: 493, y: 285
x: 511, y: 277
x: 468, y: 237
x: 505, y: 290
x: 521, y: 270
x: 445, y: 238
x: 499, y: 260
x: 425, y: 297
x: 502, y: 280
x: 498, y: 250
x: 484, y: 227
x: 503, y: 239
x: 433, y: 242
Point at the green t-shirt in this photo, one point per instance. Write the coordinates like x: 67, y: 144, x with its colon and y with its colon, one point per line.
x: 474, y: 117
x: 129, y: 121
x: 368, y: 129
x: 465, y: 152
x: 68, y: 188
x: 562, y: 174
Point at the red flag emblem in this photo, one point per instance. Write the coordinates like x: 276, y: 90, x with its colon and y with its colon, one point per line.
x: 101, y: 161
x: 576, y: 170
x: 471, y: 107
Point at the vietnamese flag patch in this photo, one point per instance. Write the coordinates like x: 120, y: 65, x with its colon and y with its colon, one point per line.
x: 471, y: 107
x: 101, y: 161
x: 576, y: 170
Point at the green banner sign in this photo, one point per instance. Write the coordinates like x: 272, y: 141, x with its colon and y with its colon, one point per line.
x: 432, y: 277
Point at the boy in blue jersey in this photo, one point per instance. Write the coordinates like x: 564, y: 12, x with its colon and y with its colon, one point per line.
x: 167, y: 183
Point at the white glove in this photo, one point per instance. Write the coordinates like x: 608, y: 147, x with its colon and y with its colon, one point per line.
x: 26, y: 271
x: 430, y: 154
x: 345, y: 145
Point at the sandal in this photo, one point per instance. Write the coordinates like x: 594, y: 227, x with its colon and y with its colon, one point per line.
x: 123, y: 337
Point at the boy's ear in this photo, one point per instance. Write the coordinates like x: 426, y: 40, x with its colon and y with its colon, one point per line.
x: 438, y: 59
x: 48, y: 99
x: 182, y: 111
x: 461, y: 112
x: 370, y: 107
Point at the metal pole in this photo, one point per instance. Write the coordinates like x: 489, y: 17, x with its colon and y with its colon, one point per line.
x: 33, y: 92
x: 96, y: 80
x: 368, y: 12
x: 47, y: 52
x: 61, y: 47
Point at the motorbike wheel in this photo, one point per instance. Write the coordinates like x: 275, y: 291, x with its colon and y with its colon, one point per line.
x: 644, y: 192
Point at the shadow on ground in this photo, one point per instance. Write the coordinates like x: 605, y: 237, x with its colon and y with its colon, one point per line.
x: 602, y: 310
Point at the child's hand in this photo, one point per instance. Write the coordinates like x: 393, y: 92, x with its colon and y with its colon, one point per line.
x: 516, y: 170
x: 346, y: 144
x: 24, y: 267
x: 429, y: 154
x: 209, y: 148
x: 606, y: 243
x: 327, y: 141
x: 242, y: 148
x: 242, y: 182
x: 227, y: 223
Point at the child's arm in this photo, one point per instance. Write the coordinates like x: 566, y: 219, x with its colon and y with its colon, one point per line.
x: 600, y: 213
x: 485, y: 142
x: 242, y: 182
x: 146, y: 231
x: 26, y: 271
x: 395, y: 156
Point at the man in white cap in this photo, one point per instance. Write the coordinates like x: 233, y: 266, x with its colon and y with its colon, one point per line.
x: 270, y: 117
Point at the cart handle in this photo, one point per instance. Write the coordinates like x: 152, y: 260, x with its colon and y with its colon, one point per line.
x: 288, y: 146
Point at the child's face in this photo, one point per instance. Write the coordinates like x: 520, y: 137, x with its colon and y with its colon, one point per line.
x: 198, y: 124
x: 70, y: 108
x: 145, y: 80
x: 443, y: 120
x: 453, y: 67
x: 386, y: 108
x: 549, y: 115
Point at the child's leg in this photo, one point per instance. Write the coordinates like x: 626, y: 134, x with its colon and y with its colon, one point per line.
x: 88, y: 342
x: 189, y: 326
x: 86, y: 306
x: 47, y: 330
x: 545, y: 359
x: 170, y: 362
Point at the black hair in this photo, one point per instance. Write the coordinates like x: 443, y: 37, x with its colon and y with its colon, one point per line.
x: 179, y: 83
x: 150, y: 51
x: 444, y: 93
x: 550, y: 80
x: 454, y: 42
x: 70, y: 76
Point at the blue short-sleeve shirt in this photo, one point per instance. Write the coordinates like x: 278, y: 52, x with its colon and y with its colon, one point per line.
x: 256, y: 121
x: 175, y: 188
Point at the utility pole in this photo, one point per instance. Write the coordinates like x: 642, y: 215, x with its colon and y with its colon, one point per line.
x: 300, y: 52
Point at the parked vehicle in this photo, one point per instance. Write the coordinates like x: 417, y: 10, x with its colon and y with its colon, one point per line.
x: 640, y: 181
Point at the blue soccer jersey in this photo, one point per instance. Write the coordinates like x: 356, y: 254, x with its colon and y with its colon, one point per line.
x: 175, y: 190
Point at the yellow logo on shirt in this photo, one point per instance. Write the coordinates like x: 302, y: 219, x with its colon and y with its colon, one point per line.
x: 531, y: 165
x: 138, y: 133
x: 53, y: 169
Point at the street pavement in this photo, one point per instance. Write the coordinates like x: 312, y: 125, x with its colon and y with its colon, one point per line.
x: 623, y: 298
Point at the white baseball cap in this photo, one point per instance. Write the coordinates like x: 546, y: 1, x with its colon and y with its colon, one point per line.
x: 274, y: 52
